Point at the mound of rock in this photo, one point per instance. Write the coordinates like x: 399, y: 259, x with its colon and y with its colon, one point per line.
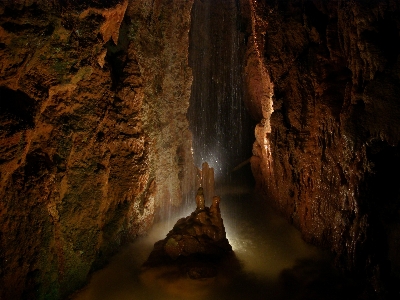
x: 196, y: 243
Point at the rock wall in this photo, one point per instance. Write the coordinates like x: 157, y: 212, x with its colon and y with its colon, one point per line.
x: 323, y: 80
x: 94, y: 140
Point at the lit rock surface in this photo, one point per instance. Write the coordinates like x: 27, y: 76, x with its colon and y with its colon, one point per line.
x: 196, y: 243
x: 93, y: 134
x: 327, y: 144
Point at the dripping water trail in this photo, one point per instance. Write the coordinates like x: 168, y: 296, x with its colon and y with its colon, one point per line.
x: 222, y: 129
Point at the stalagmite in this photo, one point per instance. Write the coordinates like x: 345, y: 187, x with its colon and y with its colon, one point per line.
x: 195, y: 243
x: 207, y: 181
x: 200, y: 199
x: 216, y: 219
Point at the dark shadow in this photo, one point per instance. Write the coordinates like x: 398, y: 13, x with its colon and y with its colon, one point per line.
x: 17, y: 111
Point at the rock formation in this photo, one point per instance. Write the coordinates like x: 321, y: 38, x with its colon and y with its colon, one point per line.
x: 323, y: 81
x: 207, y: 182
x: 195, y: 243
x: 94, y: 140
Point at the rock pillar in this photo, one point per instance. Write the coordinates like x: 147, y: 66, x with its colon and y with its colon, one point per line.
x: 207, y: 181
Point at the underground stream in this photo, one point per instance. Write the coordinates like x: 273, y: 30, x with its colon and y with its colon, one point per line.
x: 275, y: 263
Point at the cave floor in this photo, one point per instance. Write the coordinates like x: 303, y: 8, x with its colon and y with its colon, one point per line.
x: 275, y: 263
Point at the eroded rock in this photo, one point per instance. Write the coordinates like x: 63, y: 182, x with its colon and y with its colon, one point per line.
x: 325, y: 149
x: 196, y: 243
x: 84, y: 157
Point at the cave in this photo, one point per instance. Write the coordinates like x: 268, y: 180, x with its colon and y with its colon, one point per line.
x: 108, y: 110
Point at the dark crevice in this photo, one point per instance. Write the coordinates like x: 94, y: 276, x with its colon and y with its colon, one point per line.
x: 117, y: 57
x: 23, y: 28
x: 33, y: 11
x: 84, y: 4
x: 385, y: 39
x: 37, y: 163
x: 17, y: 111
x: 316, y: 18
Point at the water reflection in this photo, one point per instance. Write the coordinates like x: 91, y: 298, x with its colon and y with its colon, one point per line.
x: 274, y: 263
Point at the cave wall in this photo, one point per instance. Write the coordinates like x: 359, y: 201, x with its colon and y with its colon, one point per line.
x: 323, y: 81
x: 93, y: 134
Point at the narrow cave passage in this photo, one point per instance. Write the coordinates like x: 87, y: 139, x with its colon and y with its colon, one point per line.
x: 275, y: 263
x: 223, y: 131
x: 105, y: 118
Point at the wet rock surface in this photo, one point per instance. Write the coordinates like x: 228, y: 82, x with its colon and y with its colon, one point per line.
x: 195, y: 244
x: 323, y: 76
x: 93, y: 134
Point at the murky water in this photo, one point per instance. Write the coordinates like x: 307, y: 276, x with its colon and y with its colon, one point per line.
x: 275, y: 263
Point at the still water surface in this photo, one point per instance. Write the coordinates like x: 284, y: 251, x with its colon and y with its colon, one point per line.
x: 274, y: 263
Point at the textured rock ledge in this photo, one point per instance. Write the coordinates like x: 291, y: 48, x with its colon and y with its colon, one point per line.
x: 93, y: 134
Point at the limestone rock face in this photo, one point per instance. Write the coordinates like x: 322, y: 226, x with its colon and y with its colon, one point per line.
x: 324, y: 79
x: 93, y: 133
x: 195, y: 243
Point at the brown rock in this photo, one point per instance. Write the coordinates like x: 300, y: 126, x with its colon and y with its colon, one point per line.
x: 196, y: 243
x: 207, y: 181
x: 323, y: 154
x: 93, y: 134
